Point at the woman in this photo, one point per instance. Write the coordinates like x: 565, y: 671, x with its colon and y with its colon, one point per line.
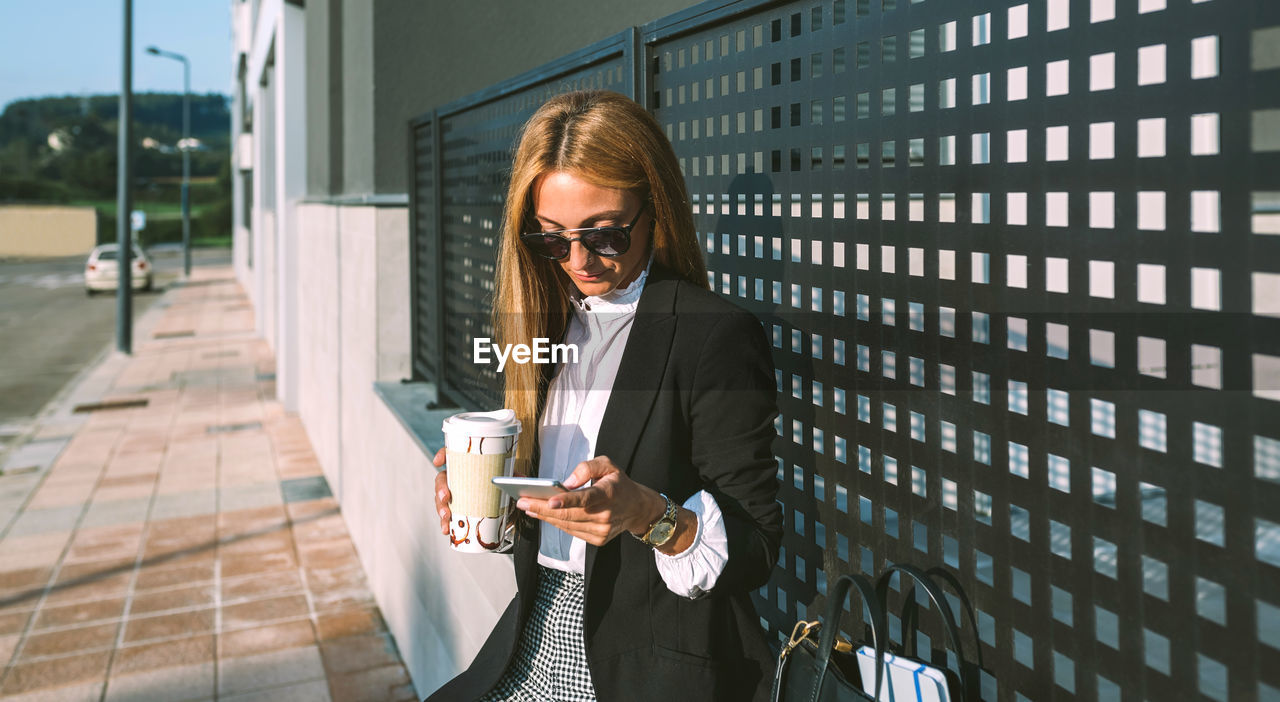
x: 638, y: 585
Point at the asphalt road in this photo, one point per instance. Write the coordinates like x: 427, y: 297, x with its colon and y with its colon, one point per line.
x: 49, y: 328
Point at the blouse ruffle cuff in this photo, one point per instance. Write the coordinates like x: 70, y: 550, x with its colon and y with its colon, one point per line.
x: 693, y: 572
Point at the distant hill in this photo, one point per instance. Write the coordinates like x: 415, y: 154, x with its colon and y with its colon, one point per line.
x: 64, y: 148
x: 158, y: 115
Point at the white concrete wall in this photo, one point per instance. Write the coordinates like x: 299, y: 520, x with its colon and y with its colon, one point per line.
x: 274, y: 180
x: 290, y: 143
x: 353, y: 306
x: 264, y: 274
x: 319, y: 329
x: 240, y: 255
x: 241, y: 148
x: 394, y: 310
x: 239, y: 233
x: 358, y: 342
x: 331, y: 288
x: 439, y: 605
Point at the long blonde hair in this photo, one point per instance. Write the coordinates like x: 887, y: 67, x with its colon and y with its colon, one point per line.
x: 607, y: 140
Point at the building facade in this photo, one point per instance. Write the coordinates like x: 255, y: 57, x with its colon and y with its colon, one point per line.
x: 324, y: 94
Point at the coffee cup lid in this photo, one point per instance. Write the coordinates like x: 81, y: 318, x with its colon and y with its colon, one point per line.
x: 502, y: 422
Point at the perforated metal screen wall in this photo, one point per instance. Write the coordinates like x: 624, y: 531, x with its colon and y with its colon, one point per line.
x: 1020, y: 265
x: 424, y: 252
x: 462, y: 161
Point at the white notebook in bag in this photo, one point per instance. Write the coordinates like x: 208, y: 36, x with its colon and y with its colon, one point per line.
x: 905, y: 680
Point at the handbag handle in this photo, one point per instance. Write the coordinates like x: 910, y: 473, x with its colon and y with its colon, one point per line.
x: 939, y: 600
x: 965, y: 604
x: 835, y: 608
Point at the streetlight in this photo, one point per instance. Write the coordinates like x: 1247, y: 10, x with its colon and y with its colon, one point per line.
x: 185, y: 145
x: 124, y: 194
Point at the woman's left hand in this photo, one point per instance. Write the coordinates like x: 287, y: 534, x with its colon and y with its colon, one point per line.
x: 613, y: 504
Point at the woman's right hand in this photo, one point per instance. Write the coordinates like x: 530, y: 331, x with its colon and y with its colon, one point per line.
x: 443, y: 498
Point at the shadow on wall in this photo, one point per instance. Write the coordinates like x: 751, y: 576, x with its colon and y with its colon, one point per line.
x: 749, y: 230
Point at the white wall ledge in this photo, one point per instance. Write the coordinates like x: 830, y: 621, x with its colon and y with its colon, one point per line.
x: 409, y: 403
x: 368, y: 200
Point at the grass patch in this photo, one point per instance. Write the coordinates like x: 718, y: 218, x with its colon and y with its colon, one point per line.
x: 211, y: 242
x: 156, y: 210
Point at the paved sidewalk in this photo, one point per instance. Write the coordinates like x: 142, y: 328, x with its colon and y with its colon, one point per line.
x: 187, y: 549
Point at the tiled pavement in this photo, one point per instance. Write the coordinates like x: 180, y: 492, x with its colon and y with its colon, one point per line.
x: 188, y: 549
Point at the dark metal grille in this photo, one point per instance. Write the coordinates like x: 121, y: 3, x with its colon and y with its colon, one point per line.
x: 474, y: 156
x: 425, y: 249
x: 1002, y: 249
x: 1020, y: 268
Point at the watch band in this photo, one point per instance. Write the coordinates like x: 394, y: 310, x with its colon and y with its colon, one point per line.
x: 661, y: 531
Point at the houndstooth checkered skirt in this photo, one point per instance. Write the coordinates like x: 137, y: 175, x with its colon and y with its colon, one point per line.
x: 550, y: 663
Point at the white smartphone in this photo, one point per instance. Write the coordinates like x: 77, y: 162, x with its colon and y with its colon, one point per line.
x: 517, y: 487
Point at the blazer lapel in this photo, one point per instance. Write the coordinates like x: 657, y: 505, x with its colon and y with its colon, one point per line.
x: 644, y: 361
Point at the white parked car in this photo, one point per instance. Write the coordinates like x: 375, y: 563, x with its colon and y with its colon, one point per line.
x: 102, y: 270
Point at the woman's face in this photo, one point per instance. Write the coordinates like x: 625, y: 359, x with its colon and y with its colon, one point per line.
x: 564, y: 201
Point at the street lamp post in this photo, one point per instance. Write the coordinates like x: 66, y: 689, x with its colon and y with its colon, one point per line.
x: 185, y: 146
x: 124, y: 194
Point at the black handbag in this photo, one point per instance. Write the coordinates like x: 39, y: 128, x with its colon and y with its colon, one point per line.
x: 962, y: 687
x: 827, y: 671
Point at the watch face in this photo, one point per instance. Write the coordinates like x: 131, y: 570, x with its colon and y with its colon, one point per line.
x: 662, y: 531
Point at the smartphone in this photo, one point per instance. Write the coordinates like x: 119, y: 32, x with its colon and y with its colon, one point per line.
x: 529, y: 487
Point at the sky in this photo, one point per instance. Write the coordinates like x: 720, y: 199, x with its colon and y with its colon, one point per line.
x: 73, y: 47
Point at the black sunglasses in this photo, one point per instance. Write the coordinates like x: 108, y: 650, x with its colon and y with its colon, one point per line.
x: 602, y: 241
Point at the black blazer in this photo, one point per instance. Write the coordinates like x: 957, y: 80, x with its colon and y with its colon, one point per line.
x: 692, y: 408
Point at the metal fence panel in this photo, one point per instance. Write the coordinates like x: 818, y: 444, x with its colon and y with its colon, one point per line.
x: 1004, y: 253
x: 424, y: 250
x: 475, y: 158
x: 462, y: 155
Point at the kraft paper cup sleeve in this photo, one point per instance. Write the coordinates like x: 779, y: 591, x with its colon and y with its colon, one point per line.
x: 469, y: 482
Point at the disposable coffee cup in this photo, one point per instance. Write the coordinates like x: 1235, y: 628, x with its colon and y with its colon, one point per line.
x: 479, y: 446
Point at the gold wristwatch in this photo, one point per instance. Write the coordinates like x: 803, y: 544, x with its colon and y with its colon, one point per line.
x: 661, y: 531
